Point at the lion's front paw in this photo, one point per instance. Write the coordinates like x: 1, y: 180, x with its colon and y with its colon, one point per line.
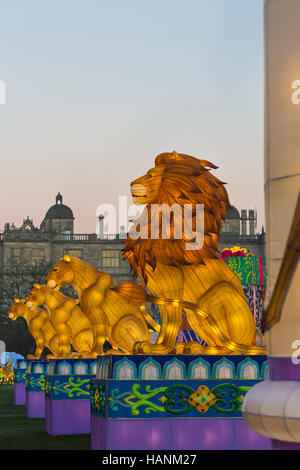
x: 33, y: 356
x: 193, y: 347
x: 142, y: 347
x: 179, y: 348
x: 51, y: 356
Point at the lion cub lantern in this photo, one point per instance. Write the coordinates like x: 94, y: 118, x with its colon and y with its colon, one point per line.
x: 112, y: 310
x: 39, y: 326
x: 194, y: 279
x: 72, y: 326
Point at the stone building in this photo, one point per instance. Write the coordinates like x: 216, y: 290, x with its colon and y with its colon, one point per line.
x: 240, y: 230
x: 31, y: 246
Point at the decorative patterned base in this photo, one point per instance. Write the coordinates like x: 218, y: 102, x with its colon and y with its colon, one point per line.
x: 172, y: 434
x: 35, y: 404
x: 68, y: 404
x: 174, y: 402
x: 20, y: 373
x: 19, y: 394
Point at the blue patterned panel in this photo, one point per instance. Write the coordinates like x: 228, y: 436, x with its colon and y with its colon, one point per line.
x: 156, y: 399
x: 35, y: 382
x: 71, y: 387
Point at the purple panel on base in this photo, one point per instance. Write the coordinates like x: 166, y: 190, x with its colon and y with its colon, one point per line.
x: 174, y: 434
x: 282, y: 445
x: 68, y: 417
x: 98, y: 435
x: 20, y: 394
x: 282, y: 368
x: 35, y: 404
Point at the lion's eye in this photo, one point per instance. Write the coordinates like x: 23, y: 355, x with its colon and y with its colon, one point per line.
x: 55, y: 269
x: 149, y: 176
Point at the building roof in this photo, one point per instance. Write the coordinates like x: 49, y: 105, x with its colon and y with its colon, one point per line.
x: 232, y: 213
x: 59, y: 210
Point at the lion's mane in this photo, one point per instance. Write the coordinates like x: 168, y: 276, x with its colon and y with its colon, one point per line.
x: 185, y: 180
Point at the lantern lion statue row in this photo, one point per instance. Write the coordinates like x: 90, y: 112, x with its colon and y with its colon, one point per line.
x: 196, y: 280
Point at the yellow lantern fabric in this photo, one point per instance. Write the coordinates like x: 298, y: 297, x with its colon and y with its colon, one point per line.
x: 39, y: 326
x: 70, y: 323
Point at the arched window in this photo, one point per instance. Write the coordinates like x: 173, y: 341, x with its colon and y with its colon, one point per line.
x: 81, y: 369
x: 64, y: 368
x: 224, y: 369
x: 224, y: 372
x: 124, y: 370
x: 248, y: 369
x: 38, y: 369
x: 150, y: 373
x: 150, y: 370
x: 174, y: 370
x: 200, y: 372
x: 199, y: 369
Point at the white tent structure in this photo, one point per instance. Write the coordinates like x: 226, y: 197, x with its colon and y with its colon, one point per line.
x: 272, y: 408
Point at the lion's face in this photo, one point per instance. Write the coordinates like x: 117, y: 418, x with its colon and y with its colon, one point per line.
x: 18, y: 309
x: 182, y: 180
x: 35, y: 298
x: 145, y: 190
x: 61, y: 274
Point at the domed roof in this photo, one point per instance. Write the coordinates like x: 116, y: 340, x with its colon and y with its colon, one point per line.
x: 232, y: 213
x: 59, y: 210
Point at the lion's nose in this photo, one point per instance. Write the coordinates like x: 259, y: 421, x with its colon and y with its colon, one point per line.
x: 138, y: 190
x: 51, y: 283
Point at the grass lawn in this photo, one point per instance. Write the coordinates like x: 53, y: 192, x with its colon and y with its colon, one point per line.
x: 20, y: 433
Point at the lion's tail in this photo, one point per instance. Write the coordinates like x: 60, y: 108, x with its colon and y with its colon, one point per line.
x: 135, y: 294
x: 230, y: 346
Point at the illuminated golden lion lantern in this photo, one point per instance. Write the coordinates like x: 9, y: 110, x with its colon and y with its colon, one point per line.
x: 39, y: 326
x: 112, y: 310
x: 194, y: 279
x: 72, y: 326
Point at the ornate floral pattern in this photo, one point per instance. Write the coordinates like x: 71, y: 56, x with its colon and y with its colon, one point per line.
x: 179, y: 399
x: 202, y: 399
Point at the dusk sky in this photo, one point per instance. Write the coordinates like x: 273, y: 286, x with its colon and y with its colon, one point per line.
x: 95, y: 89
